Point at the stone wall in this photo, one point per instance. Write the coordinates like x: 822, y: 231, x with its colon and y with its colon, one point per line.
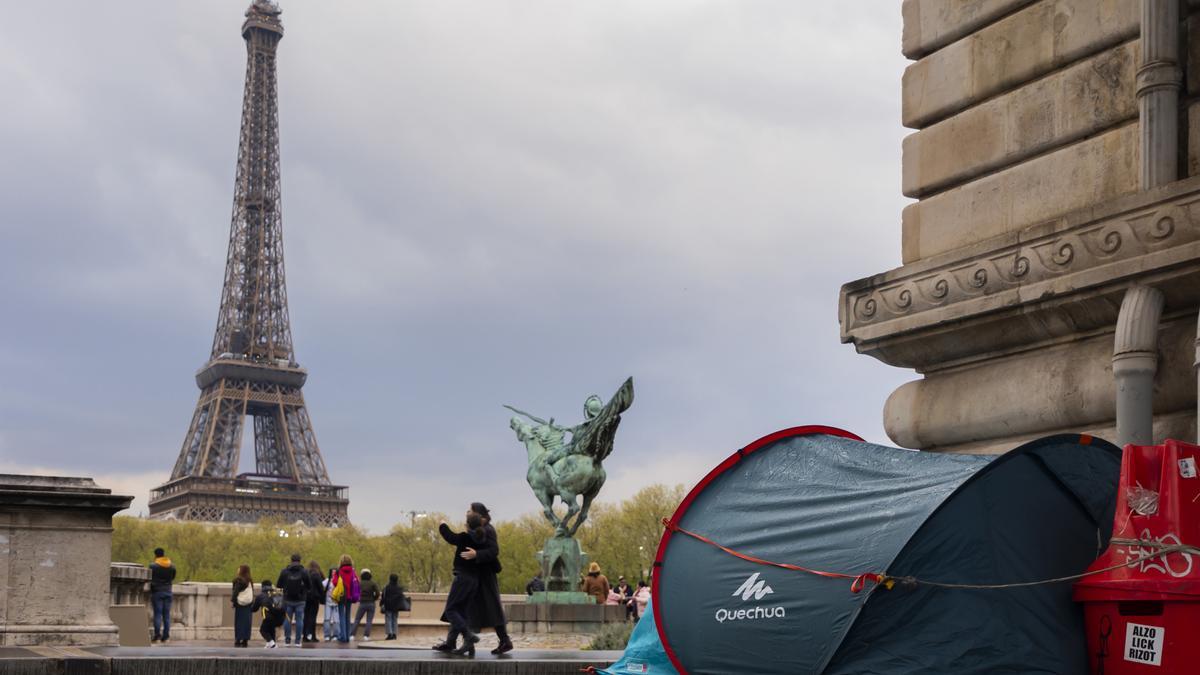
x: 1033, y: 215
x: 202, y: 611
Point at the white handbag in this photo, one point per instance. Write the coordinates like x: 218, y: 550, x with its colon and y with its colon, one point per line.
x: 245, y: 597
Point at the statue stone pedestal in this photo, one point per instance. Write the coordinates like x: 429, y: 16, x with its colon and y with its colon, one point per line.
x: 55, y: 556
x: 561, y: 559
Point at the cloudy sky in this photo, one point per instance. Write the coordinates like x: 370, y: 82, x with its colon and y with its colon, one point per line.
x: 495, y: 202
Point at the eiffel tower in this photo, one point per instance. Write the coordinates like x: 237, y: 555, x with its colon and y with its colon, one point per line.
x: 252, y: 370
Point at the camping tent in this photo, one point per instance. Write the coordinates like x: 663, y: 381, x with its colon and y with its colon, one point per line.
x: 824, y: 499
x: 643, y: 653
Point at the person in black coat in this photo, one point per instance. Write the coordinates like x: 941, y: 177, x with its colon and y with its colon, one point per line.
x: 487, y: 611
x: 314, y: 601
x: 465, y: 585
x: 393, y: 602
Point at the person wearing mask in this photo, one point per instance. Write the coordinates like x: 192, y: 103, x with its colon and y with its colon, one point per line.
x: 393, y: 602
x: 314, y: 600
x: 270, y: 602
x: 293, y: 583
x: 347, y: 578
x: 162, y: 575
x: 595, y: 584
x: 331, y: 606
x: 242, y: 599
x: 369, y: 595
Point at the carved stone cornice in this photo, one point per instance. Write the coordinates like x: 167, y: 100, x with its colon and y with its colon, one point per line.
x: 1070, y: 267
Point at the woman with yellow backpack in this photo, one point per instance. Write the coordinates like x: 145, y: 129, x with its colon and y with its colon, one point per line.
x: 345, y: 592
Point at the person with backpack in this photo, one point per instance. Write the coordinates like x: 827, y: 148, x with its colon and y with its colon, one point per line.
x: 393, y: 602
x: 368, y: 595
x: 312, y: 603
x: 162, y: 575
x: 346, y: 593
x: 242, y: 599
x: 293, y: 583
x: 270, y: 602
x: 331, y: 606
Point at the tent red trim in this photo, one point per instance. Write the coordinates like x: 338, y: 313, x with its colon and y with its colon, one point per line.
x: 721, y: 468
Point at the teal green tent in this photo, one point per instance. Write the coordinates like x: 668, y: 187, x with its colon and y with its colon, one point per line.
x: 644, y: 653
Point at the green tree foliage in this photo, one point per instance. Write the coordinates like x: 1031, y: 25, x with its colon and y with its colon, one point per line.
x: 621, y: 537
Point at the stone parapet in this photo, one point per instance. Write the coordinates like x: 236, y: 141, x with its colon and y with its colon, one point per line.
x: 562, y: 618
x: 1024, y: 45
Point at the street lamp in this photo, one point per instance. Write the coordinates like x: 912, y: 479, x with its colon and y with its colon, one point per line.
x: 414, y: 515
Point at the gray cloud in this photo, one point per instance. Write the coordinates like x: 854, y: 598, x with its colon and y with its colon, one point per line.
x: 483, y: 202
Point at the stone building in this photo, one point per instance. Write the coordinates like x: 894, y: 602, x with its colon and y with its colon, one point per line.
x: 1051, y: 263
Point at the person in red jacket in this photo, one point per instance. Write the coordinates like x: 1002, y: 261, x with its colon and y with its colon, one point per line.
x: 350, y: 585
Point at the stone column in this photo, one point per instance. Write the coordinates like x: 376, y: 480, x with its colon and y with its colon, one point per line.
x: 1158, y: 81
x: 55, y: 555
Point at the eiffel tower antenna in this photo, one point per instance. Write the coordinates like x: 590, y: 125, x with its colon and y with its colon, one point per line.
x: 252, y: 371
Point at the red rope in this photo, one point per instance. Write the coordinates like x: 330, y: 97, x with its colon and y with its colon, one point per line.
x: 857, y: 585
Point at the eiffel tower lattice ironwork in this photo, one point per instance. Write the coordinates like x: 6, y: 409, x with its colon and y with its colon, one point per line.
x: 252, y: 371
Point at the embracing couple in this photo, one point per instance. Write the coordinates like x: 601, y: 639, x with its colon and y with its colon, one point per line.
x: 474, y: 599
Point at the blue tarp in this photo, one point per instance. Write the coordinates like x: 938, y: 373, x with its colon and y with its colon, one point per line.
x: 837, y: 504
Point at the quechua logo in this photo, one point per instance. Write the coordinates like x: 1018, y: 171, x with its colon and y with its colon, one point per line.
x: 753, y: 587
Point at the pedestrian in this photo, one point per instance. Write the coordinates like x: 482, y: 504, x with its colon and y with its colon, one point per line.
x: 595, y: 584
x: 535, y: 585
x: 314, y: 600
x: 347, y: 596
x: 626, y: 592
x: 614, y: 598
x: 293, y: 583
x: 162, y: 575
x: 487, y: 610
x: 331, y: 606
x: 464, y: 587
x: 242, y: 598
x: 369, y: 594
x: 270, y: 602
x: 640, y: 598
x: 393, y: 602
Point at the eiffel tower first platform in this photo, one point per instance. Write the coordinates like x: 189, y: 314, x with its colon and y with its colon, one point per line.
x: 252, y: 371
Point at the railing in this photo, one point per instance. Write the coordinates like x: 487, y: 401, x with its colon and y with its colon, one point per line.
x: 249, y: 486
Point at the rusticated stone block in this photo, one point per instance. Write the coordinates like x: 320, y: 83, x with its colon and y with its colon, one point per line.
x: 932, y: 24
x: 1073, y: 177
x: 1016, y: 49
x: 1067, y: 386
x: 1083, y: 99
